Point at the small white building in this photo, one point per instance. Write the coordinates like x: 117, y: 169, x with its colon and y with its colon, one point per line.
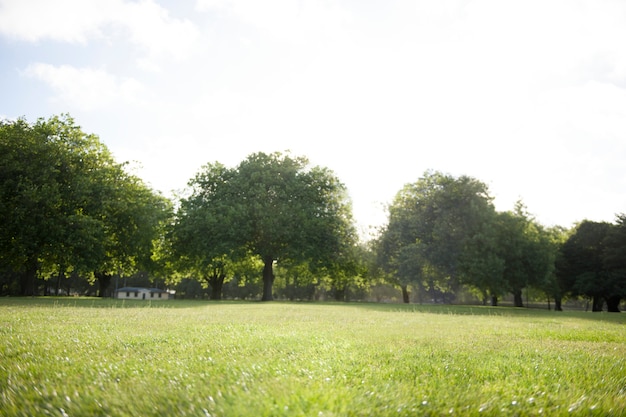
x: 139, y: 293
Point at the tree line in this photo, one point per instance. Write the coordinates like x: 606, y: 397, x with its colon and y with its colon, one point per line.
x: 75, y: 220
x: 444, y: 233
x: 69, y: 209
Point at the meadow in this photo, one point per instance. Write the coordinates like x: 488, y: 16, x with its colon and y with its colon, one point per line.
x: 93, y: 357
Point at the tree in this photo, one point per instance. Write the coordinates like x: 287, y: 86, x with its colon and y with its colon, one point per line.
x: 401, y: 263
x: 299, y: 283
x: 67, y: 207
x: 46, y: 170
x: 271, y: 206
x: 580, y: 268
x: 134, y: 219
x: 614, y: 260
x: 482, y: 266
x: 552, y: 239
x: 348, y: 274
x: 431, y: 224
x: 591, y: 263
x: 197, y: 236
x: 29, y: 198
x: 524, y: 247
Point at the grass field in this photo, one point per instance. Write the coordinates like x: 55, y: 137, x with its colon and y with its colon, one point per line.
x: 87, y: 357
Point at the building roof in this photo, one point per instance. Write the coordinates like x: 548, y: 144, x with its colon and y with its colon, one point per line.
x: 142, y: 289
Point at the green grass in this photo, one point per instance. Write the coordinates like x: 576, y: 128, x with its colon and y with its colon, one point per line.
x: 87, y: 357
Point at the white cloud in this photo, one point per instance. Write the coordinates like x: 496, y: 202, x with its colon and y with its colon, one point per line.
x: 151, y: 27
x: 593, y: 108
x: 550, y: 43
x: 146, y: 24
x: 63, y: 20
x: 529, y: 97
x: 87, y: 88
x: 289, y: 20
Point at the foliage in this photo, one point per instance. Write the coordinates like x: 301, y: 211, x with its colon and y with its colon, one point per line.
x: 444, y: 232
x: 552, y: 240
x: 270, y: 206
x: 431, y: 225
x: 524, y: 246
x: 615, y: 263
x: 67, y: 206
x: 591, y: 263
x: 71, y: 215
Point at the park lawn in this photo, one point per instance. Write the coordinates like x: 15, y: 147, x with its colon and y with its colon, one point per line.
x: 91, y: 357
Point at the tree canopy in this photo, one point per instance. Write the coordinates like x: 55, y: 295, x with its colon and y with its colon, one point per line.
x: 68, y: 209
x: 270, y: 205
x: 591, y: 263
x: 67, y: 206
x: 444, y: 232
x: 431, y: 224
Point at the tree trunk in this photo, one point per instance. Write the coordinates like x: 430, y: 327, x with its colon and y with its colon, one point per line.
x: 405, y: 294
x: 60, y: 278
x: 517, y: 298
x: 494, y: 301
x: 597, y: 304
x: 557, y: 303
x: 612, y: 304
x: 68, y: 283
x: 340, y: 294
x: 216, y: 283
x: 28, y: 279
x: 104, y: 280
x: 216, y: 292
x: 268, y: 278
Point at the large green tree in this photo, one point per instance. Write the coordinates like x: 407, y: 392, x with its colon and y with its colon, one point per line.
x: 580, y: 268
x: 134, y: 219
x: 29, y: 199
x: 591, y: 263
x: 46, y: 170
x: 483, y: 266
x: 68, y: 207
x: 524, y: 246
x: 400, y: 264
x: 431, y: 225
x: 197, y: 238
x: 271, y: 205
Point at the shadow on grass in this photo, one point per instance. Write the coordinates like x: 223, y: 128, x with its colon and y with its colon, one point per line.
x: 446, y: 309
x: 477, y: 310
x: 97, y: 302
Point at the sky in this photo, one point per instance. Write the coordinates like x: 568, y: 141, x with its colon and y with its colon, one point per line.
x: 528, y: 97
